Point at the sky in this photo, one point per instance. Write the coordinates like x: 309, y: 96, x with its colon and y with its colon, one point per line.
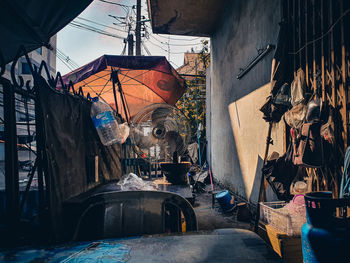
x: 82, y: 46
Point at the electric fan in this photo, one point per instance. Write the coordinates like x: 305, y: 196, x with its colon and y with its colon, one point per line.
x: 160, y: 133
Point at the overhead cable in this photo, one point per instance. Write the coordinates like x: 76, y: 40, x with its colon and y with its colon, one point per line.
x: 180, y: 45
x: 91, y: 21
x: 96, y: 30
x: 178, y: 39
x: 146, y: 49
x: 113, y: 3
x: 164, y: 48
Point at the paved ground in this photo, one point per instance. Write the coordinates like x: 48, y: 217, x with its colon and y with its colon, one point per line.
x: 226, y: 245
x: 210, y: 218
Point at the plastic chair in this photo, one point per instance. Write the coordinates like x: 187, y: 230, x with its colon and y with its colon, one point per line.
x: 133, y: 213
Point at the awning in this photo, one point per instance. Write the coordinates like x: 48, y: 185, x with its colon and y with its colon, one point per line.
x: 144, y: 79
x: 31, y: 23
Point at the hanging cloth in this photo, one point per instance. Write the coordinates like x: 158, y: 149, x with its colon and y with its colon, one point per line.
x: 281, y: 76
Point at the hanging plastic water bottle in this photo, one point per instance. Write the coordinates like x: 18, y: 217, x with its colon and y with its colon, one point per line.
x: 105, y: 123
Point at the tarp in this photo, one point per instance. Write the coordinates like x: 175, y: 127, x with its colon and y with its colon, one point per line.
x: 71, y: 146
x: 145, y: 80
x: 31, y: 23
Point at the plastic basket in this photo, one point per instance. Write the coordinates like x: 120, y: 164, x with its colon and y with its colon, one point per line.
x: 325, y: 212
x: 280, y: 218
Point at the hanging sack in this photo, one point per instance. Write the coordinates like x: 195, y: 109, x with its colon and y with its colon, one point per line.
x: 275, y: 106
x: 295, y: 117
x: 279, y: 173
x: 298, y: 88
x: 309, y: 152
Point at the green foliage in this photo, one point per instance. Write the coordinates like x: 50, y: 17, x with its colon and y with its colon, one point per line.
x: 188, y: 105
x: 194, y: 98
x: 204, y: 54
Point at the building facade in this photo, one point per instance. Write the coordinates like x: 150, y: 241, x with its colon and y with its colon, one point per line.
x: 25, y: 111
x: 192, y: 65
x: 36, y: 56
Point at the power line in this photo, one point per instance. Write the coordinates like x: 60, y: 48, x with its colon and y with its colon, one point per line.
x: 71, y: 66
x: 67, y: 58
x: 119, y: 19
x: 65, y: 63
x: 180, y: 45
x: 174, y: 64
x: 125, y: 7
x: 164, y: 48
x: 124, y: 49
x: 91, y: 21
x: 146, y: 49
x: 77, y: 23
x: 96, y: 30
x: 113, y: 3
x: 177, y: 39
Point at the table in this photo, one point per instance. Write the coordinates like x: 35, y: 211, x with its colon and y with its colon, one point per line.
x: 225, y: 245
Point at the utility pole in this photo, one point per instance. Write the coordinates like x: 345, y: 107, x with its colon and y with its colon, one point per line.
x: 130, y: 44
x: 138, y: 28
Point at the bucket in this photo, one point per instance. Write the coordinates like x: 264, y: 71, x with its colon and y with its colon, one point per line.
x: 321, y: 210
x: 326, y: 235
x: 225, y: 200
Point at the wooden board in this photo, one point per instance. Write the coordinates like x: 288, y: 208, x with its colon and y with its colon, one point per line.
x: 287, y: 247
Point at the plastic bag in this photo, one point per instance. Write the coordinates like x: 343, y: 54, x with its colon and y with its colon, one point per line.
x: 298, y: 87
x: 295, y: 117
x: 283, y: 96
x: 132, y: 182
x: 124, y: 131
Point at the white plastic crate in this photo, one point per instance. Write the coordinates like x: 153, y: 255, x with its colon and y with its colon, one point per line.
x: 276, y: 215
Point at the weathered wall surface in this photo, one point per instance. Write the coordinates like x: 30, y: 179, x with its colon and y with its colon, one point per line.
x: 245, y: 27
x: 250, y: 132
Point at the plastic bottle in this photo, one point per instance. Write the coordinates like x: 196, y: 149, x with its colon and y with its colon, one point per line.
x: 105, y: 123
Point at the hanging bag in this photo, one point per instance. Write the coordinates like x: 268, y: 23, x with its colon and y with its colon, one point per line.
x: 309, y: 152
x: 279, y: 172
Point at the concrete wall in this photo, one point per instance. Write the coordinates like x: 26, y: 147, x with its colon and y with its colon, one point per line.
x: 236, y: 158
x: 250, y: 132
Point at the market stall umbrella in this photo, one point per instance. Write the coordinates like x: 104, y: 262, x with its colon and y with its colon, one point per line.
x: 144, y: 80
x: 31, y: 23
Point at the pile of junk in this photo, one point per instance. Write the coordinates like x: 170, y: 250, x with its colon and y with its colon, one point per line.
x: 309, y: 179
x: 134, y: 114
x: 97, y: 173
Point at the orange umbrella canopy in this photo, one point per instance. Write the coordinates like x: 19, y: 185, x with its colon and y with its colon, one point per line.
x: 144, y: 80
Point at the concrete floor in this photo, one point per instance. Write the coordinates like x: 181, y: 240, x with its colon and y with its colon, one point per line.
x: 210, y: 218
x: 221, y: 238
x: 224, y: 245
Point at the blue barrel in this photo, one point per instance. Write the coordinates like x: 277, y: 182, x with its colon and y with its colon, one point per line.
x: 321, y: 245
x: 225, y: 200
x: 325, y: 237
